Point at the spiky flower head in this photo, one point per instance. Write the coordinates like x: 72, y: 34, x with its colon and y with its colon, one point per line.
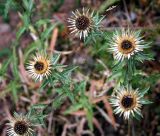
x: 39, y: 66
x: 126, y: 43
x: 127, y: 102
x: 81, y: 23
x: 19, y: 125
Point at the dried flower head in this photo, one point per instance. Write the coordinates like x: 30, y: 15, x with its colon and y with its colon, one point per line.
x: 81, y: 23
x: 127, y: 102
x: 20, y: 126
x: 39, y: 66
x: 126, y: 43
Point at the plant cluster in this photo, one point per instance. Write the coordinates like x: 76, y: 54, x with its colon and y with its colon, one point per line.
x: 127, y: 47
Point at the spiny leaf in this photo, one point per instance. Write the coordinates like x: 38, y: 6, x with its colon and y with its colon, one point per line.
x: 144, y: 91
x: 58, y: 101
x: 55, y: 58
x: 145, y: 101
x: 68, y: 70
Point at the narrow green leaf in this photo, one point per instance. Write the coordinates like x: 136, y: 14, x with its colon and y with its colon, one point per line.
x: 46, y: 34
x: 8, y: 5
x: 30, y: 6
x: 73, y: 108
x: 90, y: 118
x: 15, y: 64
x: 20, y: 32
x: 5, y: 65
x: 32, y: 47
x: 41, y: 22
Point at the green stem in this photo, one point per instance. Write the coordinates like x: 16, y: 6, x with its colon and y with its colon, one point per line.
x: 126, y: 78
x: 129, y: 127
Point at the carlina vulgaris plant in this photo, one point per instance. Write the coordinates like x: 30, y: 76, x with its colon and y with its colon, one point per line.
x: 127, y: 47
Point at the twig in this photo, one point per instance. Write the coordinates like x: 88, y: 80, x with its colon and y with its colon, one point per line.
x: 88, y: 132
x: 63, y: 52
x: 23, y: 73
x: 6, y: 109
x: 134, y: 28
x: 129, y: 128
x: 110, y: 112
x: 98, y: 125
x: 126, y: 10
x: 68, y: 126
x: 8, y: 115
x: 78, y: 113
x: 104, y: 115
x: 53, y: 40
x: 4, y: 132
x: 80, y: 127
x: 50, y: 122
x: 133, y: 130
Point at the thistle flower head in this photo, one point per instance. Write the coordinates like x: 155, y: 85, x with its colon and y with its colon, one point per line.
x: 127, y: 102
x: 39, y: 66
x: 20, y: 125
x: 126, y: 43
x: 81, y: 23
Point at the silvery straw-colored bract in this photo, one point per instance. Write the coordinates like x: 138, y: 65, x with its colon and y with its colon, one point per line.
x: 19, y: 125
x: 81, y: 23
x: 127, y: 102
x: 125, y: 43
x: 39, y: 66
